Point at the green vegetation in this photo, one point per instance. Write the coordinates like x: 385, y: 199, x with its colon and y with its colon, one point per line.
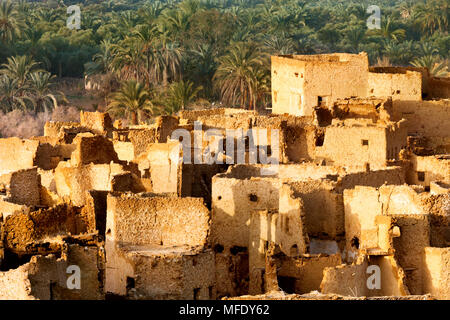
x: 176, y: 53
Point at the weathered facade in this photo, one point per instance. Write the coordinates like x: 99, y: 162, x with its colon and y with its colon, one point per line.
x: 343, y: 192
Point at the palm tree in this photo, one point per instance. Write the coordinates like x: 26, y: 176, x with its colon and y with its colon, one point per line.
x: 19, y: 68
x: 279, y: 44
x: 433, y: 15
x: 181, y: 94
x: 355, y: 36
x: 102, y: 62
x: 44, y: 100
x: 205, y: 66
x: 131, y: 99
x: 171, y: 55
x: 435, y: 66
x: 9, y: 21
x: 146, y: 36
x: 235, y: 74
x: 11, y: 95
x: 329, y: 35
x: 390, y: 31
x: 128, y: 58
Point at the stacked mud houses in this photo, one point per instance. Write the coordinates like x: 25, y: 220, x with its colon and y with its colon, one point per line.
x: 342, y: 191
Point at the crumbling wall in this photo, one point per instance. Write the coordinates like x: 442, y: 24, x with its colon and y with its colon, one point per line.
x: 193, y: 115
x: 168, y: 273
x: 124, y: 150
x: 22, y: 187
x: 438, y: 207
x: 162, y: 164
x: 47, y: 278
x: 156, y: 244
x: 93, y: 149
x: 404, y: 86
x: 97, y: 122
x: 73, y: 182
x: 363, y: 108
x: 53, y: 128
x: 430, y: 119
x: 17, y: 154
x: 142, y: 139
x: 304, y: 274
x: 424, y: 170
x: 359, y: 142
x: 436, y: 272
x: 301, y: 82
x: 50, y: 154
x: 324, y: 214
x: 157, y: 220
x: 354, y: 280
x: 23, y: 230
x: 410, y: 248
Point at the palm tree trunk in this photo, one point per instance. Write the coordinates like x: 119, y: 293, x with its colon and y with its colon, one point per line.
x: 165, y: 77
x: 134, y: 118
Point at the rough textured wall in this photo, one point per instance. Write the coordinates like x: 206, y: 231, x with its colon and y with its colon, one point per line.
x: 424, y: 170
x: 410, y: 248
x: 438, y: 88
x: 355, y: 143
x: 45, y: 278
x: 23, y: 186
x: 22, y: 230
x: 405, y: 86
x: 173, y: 274
x: 299, y: 81
x: 436, y: 278
x: 161, y: 163
x: 97, y: 122
x: 351, y: 280
x: 53, y: 128
x: 124, y: 150
x: 17, y: 154
x: 428, y: 118
x: 142, y: 138
x: 93, y: 149
x: 324, y: 213
x: 157, y: 220
x: 307, y: 271
x: 73, y: 182
x: 232, y: 202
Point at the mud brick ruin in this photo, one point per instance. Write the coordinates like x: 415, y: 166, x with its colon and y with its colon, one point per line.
x: 360, y: 190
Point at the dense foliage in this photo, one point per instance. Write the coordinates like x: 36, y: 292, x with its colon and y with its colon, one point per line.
x: 212, y: 50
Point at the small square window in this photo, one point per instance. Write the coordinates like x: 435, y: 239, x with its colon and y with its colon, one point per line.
x: 365, y: 142
x: 421, y: 176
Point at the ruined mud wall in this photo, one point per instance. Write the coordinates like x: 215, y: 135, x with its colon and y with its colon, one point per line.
x: 97, y: 122
x: 424, y: 170
x: 162, y: 164
x: 427, y: 118
x: 356, y: 143
x: 46, y: 278
x: 23, y: 186
x: 157, y: 220
x: 436, y: 278
x: 438, y: 88
x: 299, y: 81
x: 405, y: 86
x: 73, y: 182
x: 23, y: 230
x: 17, y: 154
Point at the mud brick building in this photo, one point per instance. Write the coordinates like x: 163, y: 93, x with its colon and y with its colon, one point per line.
x: 346, y: 179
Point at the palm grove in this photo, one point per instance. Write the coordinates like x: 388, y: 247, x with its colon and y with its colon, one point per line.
x: 147, y: 57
